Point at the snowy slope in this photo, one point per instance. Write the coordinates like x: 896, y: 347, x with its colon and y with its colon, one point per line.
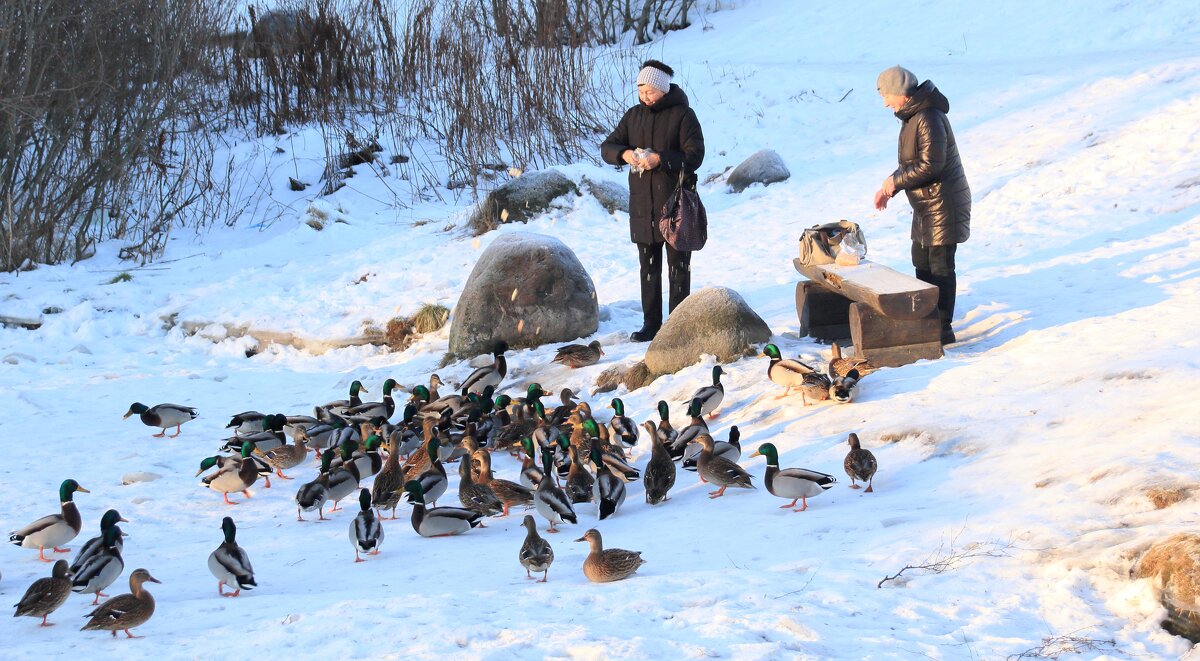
x: 1030, y: 444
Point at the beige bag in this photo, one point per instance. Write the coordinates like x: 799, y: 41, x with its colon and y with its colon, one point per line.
x: 820, y: 244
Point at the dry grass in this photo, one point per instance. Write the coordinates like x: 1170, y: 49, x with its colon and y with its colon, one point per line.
x: 609, y: 379
x: 1175, y: 564
x: 429, y: 318
x: 1164, y: 497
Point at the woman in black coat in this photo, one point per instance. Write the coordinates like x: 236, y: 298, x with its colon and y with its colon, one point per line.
x: 931, y: 175
x: 660, y: 139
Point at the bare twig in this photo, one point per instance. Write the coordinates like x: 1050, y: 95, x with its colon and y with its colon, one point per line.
x: 947, y: 557
x: 1053, y: 647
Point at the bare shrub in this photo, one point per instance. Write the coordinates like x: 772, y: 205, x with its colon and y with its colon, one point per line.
x: 399, y: 333
x: 97, y: 111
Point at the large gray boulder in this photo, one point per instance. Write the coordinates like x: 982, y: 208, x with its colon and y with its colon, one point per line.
x: 763, y: 167
x: 526, y: 289
x: 715, y: 321
x: 611, y: 195
x: 521, y: 199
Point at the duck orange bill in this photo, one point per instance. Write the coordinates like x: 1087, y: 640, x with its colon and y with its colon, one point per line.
x: 756, y: 454
x: 79, y: 488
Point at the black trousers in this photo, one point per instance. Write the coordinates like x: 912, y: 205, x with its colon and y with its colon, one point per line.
x: 679, y: 278
x: 935, y: 265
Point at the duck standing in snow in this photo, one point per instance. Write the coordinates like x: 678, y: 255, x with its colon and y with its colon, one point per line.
x: 53, y: 529
x: 860, y: 464
x: 579, y: 355
x: 659, y: 476
x: 229, y: 563
x: 608, y: 490
x: 606, y: 565
x: 624, y: 430
x: 125, y: 611
x: 163, y: 416
x: 794, y: 483
x: 233, y: 473
x: 102, y: 568
x: 731, y: 450
x: 841, y: 366
x: 711, y: 396
x: 312, y: 495
x: 510, y: 493
x: 45, y: 595
x: 475, y: 495
x: 93, y: 546
x: 366, y: 533
x: 536, y: 553
x: 718, y: 470
x: 551, y: 501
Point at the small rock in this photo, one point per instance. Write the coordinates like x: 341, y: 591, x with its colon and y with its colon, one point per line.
x: 139, y: 476
x: 763, y: 167
x: 296, y: 184
x: 521, y: 199
x: 611, y: 195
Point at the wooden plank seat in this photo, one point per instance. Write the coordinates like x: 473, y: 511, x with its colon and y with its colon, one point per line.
x: 890, y: 317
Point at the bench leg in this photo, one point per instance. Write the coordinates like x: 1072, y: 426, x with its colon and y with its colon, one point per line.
x: 888, y: 342
x: 823, y: 314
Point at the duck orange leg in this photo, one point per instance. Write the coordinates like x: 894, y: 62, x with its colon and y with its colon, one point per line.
x: 45, y: 623
x: 177, y: 430
x: 127, y: 634
x: 720, y: 492
x: 227, y: 501
x: 786, y: 391
x: 279, y: 472
x: 356, y: 558
x: 804, y: 501
x: 791, y: 504
x: 545, y: 575
x: 871, y: 485
x: 58, y: 550
x: 158, y: 435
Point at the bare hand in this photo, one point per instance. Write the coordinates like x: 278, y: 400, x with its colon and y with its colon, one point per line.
x: 881, y: 200
x: 889, y: 186
x: 629, y: 157
x: 651, y: 161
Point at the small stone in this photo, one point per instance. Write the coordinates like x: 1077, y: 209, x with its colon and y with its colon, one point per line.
x: 762, y: 167
x: 139, y: 476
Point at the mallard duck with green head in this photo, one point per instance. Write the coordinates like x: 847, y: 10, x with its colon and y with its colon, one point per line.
x: 52, y: 530
x: 371, y: 410
x: 551, y: 501
x: 536, y: 554
x: 711, y: 396
x: 434, y: 480
x: 489, y: 375
x: 687, y: 436
x: 340, y: 406
x: 787, y: 372
x: 344, y: 479
x: 607, y: 565
x: 233, y: 473
x: 366, y: 532
x: 94, y: 545
x: 163, y: 416
x: 608, y: 490
x: 102, y: 569
x: 624, y: 430
x: 439, y: 521
x: 719, y: 471
x: 795, y: 483
x: 579, y: 355
x: 230, y: 564
x: 125, y: 611
x: 45, y: 595
x: 246, y: 422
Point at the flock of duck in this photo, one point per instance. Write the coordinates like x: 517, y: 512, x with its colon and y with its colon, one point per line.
x: 569, y: 459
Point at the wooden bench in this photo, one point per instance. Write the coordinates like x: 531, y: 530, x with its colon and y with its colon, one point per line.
x: 891, y: 318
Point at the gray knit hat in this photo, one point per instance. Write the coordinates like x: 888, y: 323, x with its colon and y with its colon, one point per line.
x: 656, y: 78
x: 896, y: 81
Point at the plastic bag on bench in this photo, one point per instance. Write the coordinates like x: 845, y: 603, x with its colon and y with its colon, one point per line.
x: 821, y: 244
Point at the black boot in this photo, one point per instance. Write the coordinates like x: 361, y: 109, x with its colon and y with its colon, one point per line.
x: 646, y: 334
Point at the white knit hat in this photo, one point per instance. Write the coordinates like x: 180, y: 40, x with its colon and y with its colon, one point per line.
x: 656, y: 78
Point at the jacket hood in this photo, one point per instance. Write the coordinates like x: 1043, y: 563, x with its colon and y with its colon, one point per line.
x: 675, y: 97
x: 926, y: 96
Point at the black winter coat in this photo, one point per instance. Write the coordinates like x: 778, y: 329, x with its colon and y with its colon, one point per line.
x: 930, y: 171
x: 670, y: 128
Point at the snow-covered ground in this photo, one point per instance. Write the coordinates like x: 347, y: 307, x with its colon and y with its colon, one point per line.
x: 1030, y: 446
